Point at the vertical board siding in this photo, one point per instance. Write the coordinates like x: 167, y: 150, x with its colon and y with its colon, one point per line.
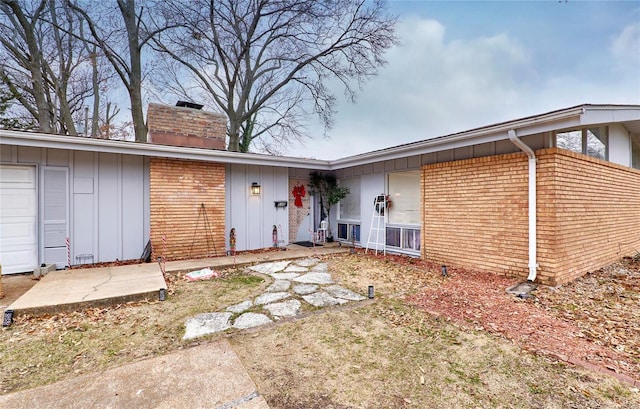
x: 132, y: 207
x: 108, y: 207
x: 253, y: 217
x: 178, y: 188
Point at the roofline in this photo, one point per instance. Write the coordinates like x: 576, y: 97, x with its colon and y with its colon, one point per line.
x: 549, y: 121
x: 41, y: 140
x: 485, y: 134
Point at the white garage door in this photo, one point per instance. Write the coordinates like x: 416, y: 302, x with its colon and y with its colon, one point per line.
x: 18, y: 210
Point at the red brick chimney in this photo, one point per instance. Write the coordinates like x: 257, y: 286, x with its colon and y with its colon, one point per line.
x: 186, y: 125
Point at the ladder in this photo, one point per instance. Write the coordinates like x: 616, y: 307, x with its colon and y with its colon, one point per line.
x: 378, y: 225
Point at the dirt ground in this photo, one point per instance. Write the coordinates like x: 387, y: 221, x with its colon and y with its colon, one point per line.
x: 425, y: 341
x: 14, y: 286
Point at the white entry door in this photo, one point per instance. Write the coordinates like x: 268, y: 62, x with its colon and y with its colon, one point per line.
x: 55, y: 215
x: 18, y: 219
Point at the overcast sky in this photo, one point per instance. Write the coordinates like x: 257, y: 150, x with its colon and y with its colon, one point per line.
x: 462, y: 65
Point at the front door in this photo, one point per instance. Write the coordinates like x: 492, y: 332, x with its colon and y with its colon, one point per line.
x: 55, y: 218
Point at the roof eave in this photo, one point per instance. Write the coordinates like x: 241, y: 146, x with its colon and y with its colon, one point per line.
x: 21, y: 138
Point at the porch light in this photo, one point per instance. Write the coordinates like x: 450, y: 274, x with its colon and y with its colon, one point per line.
x: 255, y: 188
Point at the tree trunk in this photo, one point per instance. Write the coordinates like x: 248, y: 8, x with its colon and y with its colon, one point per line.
x: 234, y: 136
x: 35, y: 66
x: 95, y: 83
x: 128, y: 10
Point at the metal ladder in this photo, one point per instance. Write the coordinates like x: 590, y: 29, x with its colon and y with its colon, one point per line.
x: 378, y: 225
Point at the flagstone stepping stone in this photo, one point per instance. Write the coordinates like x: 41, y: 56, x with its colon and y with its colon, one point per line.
x: 270, y: 268
x: 321, y: 268
x: 314, y: 278
x: 287, y: 308
x: 284, y: 276
x: 307, y: 262
x: 295, y: 269
x: 279, y: 285
x: 322, y: 299
x: 268, y: 298
x: 340, y: 292
x: 241, y: 307
x: 208, y: 323
x: 250, y: 320
x: 304, y: 289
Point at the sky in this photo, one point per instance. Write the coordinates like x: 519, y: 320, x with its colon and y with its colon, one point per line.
x: 466, y: 64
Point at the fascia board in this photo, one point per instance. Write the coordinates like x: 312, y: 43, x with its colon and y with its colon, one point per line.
x: 140, y: 149
x: 530, y: 126
x: 603, y: 116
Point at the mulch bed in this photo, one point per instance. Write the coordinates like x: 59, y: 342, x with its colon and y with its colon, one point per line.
x: 557, y: 322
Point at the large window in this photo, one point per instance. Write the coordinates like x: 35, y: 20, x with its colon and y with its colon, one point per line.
x: 403, y: 224
x: 404, y: 192
x: 589, y: 141
x: 349, y: 207
x: 349, y: 211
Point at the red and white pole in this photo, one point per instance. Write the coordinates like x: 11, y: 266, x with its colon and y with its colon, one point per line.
x: 68, y: 243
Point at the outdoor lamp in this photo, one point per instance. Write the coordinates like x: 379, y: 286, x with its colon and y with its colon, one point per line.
x: 444, y: 270
x: 255, y: 188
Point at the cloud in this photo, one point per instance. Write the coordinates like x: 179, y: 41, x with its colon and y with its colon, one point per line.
x: 433, y: 86
x: 426, y: 87
x: 625, y: 48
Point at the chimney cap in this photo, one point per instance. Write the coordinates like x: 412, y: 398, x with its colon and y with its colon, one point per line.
x: 188, y: 104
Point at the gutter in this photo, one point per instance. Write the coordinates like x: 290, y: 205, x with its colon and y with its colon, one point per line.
x: 533, y: 243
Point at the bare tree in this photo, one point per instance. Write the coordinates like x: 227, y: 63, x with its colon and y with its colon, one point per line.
x: 121, y: 40
x: 266, y: 63
x: 43, y: 65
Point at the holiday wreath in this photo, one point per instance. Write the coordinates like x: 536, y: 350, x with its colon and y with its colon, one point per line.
x: 382, y: 202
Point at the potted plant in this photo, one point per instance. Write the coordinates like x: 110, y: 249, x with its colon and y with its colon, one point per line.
x: 326, y: 187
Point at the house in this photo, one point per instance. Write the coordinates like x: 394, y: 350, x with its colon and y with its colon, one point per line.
x: 548, y: 197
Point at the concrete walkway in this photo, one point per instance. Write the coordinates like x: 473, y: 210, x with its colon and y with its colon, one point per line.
x: 207, y: 376
x: 68, y: 290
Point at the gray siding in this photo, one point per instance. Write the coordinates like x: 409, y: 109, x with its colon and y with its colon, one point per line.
x: 107, y: 200
x: 253, y: 217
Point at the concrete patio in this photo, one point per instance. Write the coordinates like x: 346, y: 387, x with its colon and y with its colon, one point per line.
x: 75, y: 289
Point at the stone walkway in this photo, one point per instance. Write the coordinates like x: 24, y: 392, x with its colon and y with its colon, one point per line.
x: 306, y: 280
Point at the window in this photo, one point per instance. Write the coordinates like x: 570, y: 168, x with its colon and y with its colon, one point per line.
x: 407, y: 238
x: 635, y: 152
x: 589, y: 141
x: 404, y: 192
x: 349, y: 207
x: 403, y: 227
x: 349, y: 232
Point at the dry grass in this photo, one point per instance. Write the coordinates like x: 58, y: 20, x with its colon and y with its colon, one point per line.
x: 37, y: 351
x: 385, y: 354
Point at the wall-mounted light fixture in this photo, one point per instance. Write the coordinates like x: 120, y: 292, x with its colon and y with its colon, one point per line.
x: 255, y: 188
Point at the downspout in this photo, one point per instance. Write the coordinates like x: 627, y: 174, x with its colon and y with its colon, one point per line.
x: 533, y: 244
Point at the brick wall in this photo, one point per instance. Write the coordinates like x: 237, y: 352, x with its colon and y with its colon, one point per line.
x: 177, y: 190
x: 475, y: 213
x: 181, y: 126
x: 588, y: 214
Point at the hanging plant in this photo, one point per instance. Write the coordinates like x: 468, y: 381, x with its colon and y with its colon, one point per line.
x: 382, y: 202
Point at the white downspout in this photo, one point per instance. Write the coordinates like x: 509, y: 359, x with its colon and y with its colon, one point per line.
x: 533, y: 244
